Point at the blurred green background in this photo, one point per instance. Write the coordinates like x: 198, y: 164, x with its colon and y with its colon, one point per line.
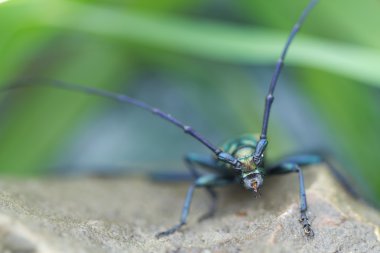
x: 207, y: 62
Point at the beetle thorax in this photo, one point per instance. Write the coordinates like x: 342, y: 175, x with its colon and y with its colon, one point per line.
x: 244, y: 155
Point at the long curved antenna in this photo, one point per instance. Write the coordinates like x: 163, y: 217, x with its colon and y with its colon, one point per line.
x: 225, y: 157
x: 270, y: 97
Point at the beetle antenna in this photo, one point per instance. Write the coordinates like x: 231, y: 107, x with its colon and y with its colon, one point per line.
x: 270, y: 96
x: 128, y: 100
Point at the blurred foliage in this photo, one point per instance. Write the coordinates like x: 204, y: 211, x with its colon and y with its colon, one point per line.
x: 207, y: 62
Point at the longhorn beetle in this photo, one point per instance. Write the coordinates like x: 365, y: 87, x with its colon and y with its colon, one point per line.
x: 238, y: 160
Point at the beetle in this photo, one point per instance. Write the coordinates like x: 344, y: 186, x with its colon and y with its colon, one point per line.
x: 239, y: 160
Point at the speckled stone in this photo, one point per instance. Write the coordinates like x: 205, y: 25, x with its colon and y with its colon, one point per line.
x: 123, y: 215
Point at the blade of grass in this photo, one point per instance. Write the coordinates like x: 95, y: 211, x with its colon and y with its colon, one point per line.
x: 219, y: 42
x: 206, y: 39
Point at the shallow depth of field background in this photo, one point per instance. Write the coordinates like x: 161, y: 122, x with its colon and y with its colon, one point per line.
x: 207, y: 62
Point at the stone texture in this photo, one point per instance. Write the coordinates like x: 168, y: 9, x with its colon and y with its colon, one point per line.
x: 123, y: 215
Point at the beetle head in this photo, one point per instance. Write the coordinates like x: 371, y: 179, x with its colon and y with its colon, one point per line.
x: 253, y: 180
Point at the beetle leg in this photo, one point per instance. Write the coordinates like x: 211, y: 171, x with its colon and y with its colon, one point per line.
x: 208, y: 180
x: 206, y: 162
x: 292, y: 167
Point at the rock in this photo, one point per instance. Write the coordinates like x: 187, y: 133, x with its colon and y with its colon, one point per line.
x: 123, y: 215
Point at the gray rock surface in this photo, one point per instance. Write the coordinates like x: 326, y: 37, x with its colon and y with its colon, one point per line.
x: 122, y: 215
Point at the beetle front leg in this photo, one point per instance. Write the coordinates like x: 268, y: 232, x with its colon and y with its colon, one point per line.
x: 205, y: 162
x: 292, y: 167
x: 203, y: 181
x: 303, y: 204
x: 185, y: 213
